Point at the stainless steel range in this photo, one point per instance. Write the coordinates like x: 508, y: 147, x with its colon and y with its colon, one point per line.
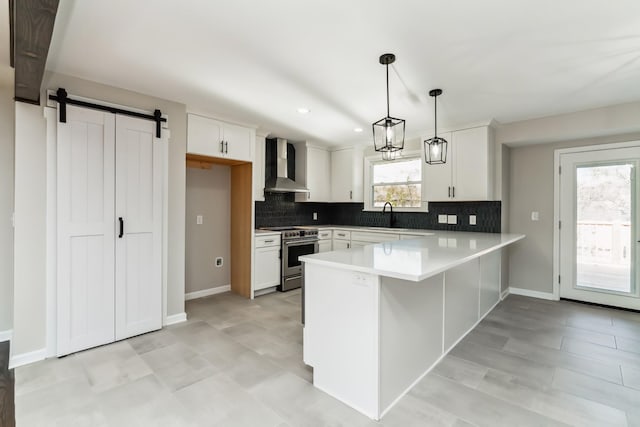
x: 296, y: 242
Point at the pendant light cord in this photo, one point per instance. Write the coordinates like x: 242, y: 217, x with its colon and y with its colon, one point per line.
x: 387, y: 90
x: 435, y: 114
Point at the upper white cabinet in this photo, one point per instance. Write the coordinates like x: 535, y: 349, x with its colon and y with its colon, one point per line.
x: 468, y: 173
x: 313, y: 171
x: 347, y: 179
x: 214, y: 138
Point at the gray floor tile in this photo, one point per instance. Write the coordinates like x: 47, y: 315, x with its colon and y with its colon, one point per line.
x: 461, y: 370
x: 627, y: 344
x: 606, y: 370
x: 631, y: 376
x: 476, y: 406
x: 601, y: 353
x: 591, y: 388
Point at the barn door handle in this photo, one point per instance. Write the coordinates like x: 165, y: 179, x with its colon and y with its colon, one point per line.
x: 121, y: 221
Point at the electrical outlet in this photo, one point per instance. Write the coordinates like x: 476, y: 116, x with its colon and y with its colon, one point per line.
x: 535, y: 216
x: 472, y: 220
x: 315, y: 216
x: 199, y: 220
x: 219, y: 261
x: 452, y: 219
x: 442, y: 219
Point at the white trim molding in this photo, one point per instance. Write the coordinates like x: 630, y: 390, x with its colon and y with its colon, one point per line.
x: 6, y: 335
x: 533, y: 294
x: 504, y: 294
x: 18, y: 360
x: 175, y: 318
x: 207, y: 292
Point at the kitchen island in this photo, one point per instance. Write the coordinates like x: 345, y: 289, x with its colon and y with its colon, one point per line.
x: 377, y: 318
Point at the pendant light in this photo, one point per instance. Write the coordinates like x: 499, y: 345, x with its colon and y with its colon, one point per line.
x: 435, y: 149
x: 388, y: 132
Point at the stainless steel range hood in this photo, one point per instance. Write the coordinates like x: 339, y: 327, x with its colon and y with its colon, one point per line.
x: 282, y: 183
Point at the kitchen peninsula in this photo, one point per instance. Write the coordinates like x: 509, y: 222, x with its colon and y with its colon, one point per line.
x: 379, y: 317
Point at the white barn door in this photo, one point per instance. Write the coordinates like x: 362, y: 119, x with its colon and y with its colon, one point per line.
x: 110, y: 198
x: 138, y: 266
x: 85, y: 235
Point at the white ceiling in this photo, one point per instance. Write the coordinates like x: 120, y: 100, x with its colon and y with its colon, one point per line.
x: 257, y: 61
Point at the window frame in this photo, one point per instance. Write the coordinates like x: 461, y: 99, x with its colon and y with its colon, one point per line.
x: 371, y: 161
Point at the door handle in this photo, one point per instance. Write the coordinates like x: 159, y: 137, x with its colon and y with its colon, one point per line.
x: 121, y: 221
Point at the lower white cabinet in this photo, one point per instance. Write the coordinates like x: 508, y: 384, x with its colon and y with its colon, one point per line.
x: 324, y: 246
x: 341, y: 244
x: 267, y: 262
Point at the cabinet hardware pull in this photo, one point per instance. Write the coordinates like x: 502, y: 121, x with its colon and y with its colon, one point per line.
x: 268, y: 241
x: 222, y: 146
x: 348, y: 245
x: 351, y: 195
x: 449, y: 191
x: 454, y: 192
x: 121, y: 221
x: 226, y: 147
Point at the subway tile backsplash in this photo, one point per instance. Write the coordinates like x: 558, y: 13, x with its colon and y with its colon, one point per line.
x: 280, y: 209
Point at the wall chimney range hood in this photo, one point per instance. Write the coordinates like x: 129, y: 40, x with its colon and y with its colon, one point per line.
x: 281, y: 183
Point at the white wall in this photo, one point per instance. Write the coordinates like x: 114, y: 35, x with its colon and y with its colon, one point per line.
x: 29, y: 325
x: 29, y: 297
x: 208, y: 194
x: 531, y: 171
x: 6, y: 205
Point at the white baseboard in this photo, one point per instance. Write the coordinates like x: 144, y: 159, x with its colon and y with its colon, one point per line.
x: 504, y: 294
x: 175, y: 318
x: 533, y: 294
x: 18, y: 360
x: 206, y: 292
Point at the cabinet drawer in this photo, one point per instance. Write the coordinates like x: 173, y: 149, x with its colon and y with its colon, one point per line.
x: 325, y: 234
x: 266, y: 241
x: 341, y: 235
x: 362, y: 236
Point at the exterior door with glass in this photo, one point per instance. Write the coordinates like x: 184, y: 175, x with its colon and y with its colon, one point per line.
x: 599, y: 238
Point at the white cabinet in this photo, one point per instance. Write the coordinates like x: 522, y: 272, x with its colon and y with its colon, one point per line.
x: 258, y: 169
x: 341, y: 239
x: 468, y: 173
x: 267, y: 262
x: 341, y: 244
x: 314, y: 172
x: 347, y: 179
x: 213, y: 138
x: 324, y: 246
x: 324, y: 240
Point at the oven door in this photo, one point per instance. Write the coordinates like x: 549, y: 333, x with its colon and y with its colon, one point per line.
x: 291, y: 251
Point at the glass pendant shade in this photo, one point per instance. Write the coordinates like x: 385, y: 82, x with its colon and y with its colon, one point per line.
x: 388, y: 132
x: 435, y: 149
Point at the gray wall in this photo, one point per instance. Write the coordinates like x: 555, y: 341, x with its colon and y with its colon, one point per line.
x: 208, y: 194
x: 6, y: 205
x: 531, y: 172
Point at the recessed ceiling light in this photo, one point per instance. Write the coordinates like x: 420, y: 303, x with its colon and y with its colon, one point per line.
x: 357, y: 129
x: 303, y: 110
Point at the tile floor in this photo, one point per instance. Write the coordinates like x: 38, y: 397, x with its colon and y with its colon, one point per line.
x: 239, y: 363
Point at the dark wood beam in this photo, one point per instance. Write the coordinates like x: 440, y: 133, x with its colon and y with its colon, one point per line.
x: 32, y: 28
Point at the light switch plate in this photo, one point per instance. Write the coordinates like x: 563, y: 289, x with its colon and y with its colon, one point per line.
x: 452, y: 219
x: 472, y: 220
x: 535, y: 216
x: 199, y: 220
x: 315, y: 216
x: 442, y: 219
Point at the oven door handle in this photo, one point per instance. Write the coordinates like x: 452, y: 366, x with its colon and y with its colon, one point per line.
x: 299, y: 242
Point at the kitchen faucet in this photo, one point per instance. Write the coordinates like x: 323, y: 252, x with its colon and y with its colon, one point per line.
x: 392, y: 220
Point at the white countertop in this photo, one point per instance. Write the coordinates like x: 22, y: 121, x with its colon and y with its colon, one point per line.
x: 415, y: 259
